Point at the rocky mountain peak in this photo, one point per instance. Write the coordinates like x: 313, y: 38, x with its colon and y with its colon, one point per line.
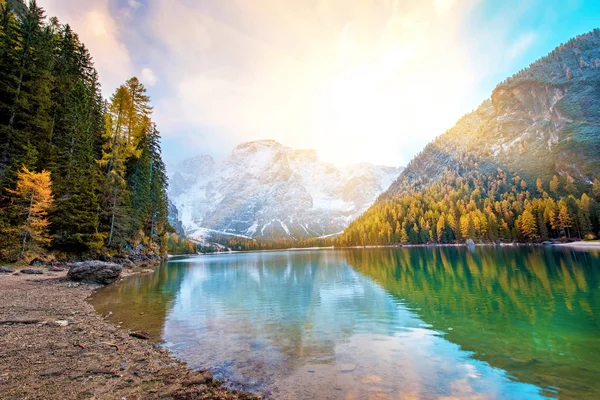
x: 264, y: 189
x: 542, y: 121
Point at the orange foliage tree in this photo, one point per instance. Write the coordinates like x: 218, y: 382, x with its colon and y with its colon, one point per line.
x: 33, y: 198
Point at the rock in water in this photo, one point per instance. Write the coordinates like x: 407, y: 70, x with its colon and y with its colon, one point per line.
x: 140, y: 335
x: 200, y: 379
x: 346, y: 367
x: 6, y: 270
x: 99, y: 272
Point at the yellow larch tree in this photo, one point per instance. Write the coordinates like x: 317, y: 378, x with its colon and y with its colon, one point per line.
x: 33, y: 198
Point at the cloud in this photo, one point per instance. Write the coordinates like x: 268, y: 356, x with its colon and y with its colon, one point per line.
x: 100, y: 32
x: 133, y: 4
x: 443, y: 6
x: 521, y: 45
x: 325, y: 75
x: 356, y: 80
x: 148, y: 77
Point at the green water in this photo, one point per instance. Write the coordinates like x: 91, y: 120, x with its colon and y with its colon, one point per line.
x: 410, y: 323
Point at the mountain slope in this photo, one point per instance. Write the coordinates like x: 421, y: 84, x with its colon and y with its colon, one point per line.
x: 542, y: 123
x: 265, y: 190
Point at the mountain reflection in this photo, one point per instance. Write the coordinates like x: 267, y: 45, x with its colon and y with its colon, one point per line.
x: 395, y: 322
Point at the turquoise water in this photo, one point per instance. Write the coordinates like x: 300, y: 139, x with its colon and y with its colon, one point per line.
x: 430, y: 323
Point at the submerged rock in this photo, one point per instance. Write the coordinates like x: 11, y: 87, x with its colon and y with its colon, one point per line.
x: 140, y: 335
x: 6, y: 270
x: 346, y: 367
x: 99, y: 272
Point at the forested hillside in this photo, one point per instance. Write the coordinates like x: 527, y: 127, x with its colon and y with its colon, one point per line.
x: 523, y: 166
x: 79, y: 174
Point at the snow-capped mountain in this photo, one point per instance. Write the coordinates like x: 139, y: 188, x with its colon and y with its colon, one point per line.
x: 263, y: 189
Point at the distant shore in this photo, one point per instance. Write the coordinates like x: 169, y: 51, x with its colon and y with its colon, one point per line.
x: 581, y: 245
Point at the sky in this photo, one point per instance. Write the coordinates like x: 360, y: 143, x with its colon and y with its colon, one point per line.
x: 356, y: 80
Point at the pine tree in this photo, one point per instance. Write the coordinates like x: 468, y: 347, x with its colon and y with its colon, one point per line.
x: 103, y: 156
x: 565, y: 222
x: 116, y: 151
x: 596, y: 188
x: 554, y: 185
x: 10, y: 41
x: 539, y: 185
x: 75, y: 219
x: 441, y: 226
x: 528, y: 225
x: 28, y: 108
x: 159, y: 211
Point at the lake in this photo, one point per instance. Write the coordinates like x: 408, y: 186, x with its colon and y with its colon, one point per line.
x: 385, y: 323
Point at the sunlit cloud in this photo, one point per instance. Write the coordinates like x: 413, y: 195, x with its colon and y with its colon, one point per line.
x: 148, y: 77
x: 356, y: 80
x: 341, y: 77
x: 442, y: 6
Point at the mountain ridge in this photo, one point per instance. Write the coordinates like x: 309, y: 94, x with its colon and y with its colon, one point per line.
x: 266, y: 190
x: 534, y: 100
x: 536, y: 138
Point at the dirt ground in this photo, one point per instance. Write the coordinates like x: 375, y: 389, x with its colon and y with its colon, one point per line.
x: 53, y: 345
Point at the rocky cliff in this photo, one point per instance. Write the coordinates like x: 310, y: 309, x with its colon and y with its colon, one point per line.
x: 542, y: 121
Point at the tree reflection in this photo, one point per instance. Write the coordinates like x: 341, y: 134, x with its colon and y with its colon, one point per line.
x: 533, y: 312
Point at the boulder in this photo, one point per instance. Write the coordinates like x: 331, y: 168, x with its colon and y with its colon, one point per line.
x: 32, y: 271
x: 200, y: 379
x: 55, y: 268
x: 140, y: 335
x: 98, y: 272
x: 6, y: 270
x: 346, y: 367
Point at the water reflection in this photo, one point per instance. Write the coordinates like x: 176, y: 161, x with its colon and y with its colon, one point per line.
x: 531, y: 312
x: 382, y: 323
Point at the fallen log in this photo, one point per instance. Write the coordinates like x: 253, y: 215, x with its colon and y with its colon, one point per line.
x: 20, y: 321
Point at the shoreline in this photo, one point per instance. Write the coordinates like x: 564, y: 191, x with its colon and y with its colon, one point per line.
x: 578, y: 245
x: 581, y: 245
x: 53, y: 344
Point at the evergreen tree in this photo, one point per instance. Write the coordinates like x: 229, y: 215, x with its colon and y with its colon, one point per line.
x: 28, y: 121
x: 103, y: 156
x: 75, y: 219
x: 527, y: 225
x: 116, y: 151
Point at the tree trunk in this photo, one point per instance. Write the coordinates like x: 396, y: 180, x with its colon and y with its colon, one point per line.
x: 115, y: 143
x: 151, y: 202
x: 112, y: 220
x: 22, y: 254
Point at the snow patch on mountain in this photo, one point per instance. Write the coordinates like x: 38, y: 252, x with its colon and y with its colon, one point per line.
x: 264, y: 189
